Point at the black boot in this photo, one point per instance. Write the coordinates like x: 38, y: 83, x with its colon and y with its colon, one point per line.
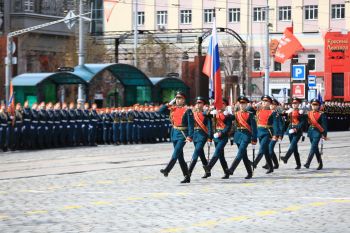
x: 308, y: 161
x: 319, y: 159
x: 206, y: 175
x: 225, y: 168
x: 275, y: 161
x: 266, y: 166
x: 186, y: 180
x: 168, y: 168
x: 227, y: 175
x: 192, y: 165
x: 211, y: 164
x: 269, y: 162
x: 286, y: 157
x: 257, y: 160
x: 297, y: 160
x: 248, y: 167
x: 234, y: 166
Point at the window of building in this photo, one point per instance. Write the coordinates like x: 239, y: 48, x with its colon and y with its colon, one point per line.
x: 234, y: 15
x: 186, y: 16
x: 1, y: 16
x: 311, y: 12
x: 311, y: 61
x: 285, y: 13
x: 236, y: 62
x: 259, y: 14
x: 208, y: 15
x: 338, y: 11
x: 29, y: 5
x: 141, y: 18
x: 295, y: 59
x: 277, y: 66
x: 256, y: 61
x: 162, y: 17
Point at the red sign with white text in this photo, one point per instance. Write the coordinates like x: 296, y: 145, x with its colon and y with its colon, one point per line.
x: 298, y: 90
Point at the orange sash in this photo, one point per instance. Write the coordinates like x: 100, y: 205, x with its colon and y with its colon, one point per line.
x: 242, y: 122
x: 199, y: 122
x: 314, y: 122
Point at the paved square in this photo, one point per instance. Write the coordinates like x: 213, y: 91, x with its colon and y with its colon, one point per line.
x: 120, y: 189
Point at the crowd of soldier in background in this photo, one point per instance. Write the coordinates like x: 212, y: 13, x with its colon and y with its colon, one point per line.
x: 61, y: 125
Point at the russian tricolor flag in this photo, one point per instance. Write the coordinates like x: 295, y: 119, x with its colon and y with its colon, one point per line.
x: 211, y: 68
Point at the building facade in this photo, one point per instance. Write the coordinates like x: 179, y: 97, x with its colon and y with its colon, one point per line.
x: 311, y: 20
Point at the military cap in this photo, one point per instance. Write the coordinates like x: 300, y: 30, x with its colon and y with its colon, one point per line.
x: 275, y: 101
x: 180, y: 94
x: 243, y: 99
x: 266, y: 97
x: 296, y: 100
x: 200, y: 99
x: 225, y: 101
x: 315, y: 102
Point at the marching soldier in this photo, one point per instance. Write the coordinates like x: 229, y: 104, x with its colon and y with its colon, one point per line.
x: 222, y: 126
x: 182, y: 132
x: 278, y: 118
x: 295, y: 131
x: 202, y: 134
x: 267, y: 130
x: 317, y: 130
x: 246, y: 132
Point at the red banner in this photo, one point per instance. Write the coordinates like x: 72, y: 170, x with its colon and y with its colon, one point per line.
x: 287, y: 46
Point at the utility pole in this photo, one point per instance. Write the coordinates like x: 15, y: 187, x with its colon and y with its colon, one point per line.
x: 81, y: 53
x: 135, y: 32
x: 267, y: 53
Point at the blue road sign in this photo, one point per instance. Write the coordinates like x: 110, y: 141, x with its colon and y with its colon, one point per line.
x: 312, y: 80
x: 298, y: 72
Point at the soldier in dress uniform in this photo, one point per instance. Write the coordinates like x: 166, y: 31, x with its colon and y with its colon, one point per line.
x: 122, y: 126
x: 65, y: 125
x: 267, y: 130
x: 86, y: 124
x: 42, y: 130
x: 116, y: 127
x: 182, y: 132
x: 295, y: 131
x: 50, y: 124
x: 17, y: 132
x: 129, y: 125
x: 79, y: 122
x: 26, y: 132
x: 278, y: 118
x: 317, y: 131
x: 34, y: 126
x: 202, y: 134
x: 245, y: 133
x: 222, y: 123
x: 94, y: 117
x: 3, y: 128
x: 58, y: 127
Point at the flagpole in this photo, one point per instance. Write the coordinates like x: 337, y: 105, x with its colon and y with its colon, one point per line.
x: 267, y: 59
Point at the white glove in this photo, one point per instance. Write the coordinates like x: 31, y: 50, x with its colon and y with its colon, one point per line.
x: 216, y: 135
x: 291, y: 131
x: 289, y: 110
x: 225, y: 112
x: 301, y: 111
x: 172, y: 102
x: 214, y: 112
x: 229, y: 110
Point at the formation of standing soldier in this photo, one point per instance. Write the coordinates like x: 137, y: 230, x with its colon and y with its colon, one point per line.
x: 338, y: 115
x: 266, y: 122
x: 61, y: 125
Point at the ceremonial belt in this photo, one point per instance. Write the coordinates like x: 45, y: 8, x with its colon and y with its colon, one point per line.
x: 200, y: 123
x: 43, y: 122
x: 123, y: 121
x: 79, y: 120
x: 51, y: 122
x: 72, y: 121
x: 64, y: 121
x: 181, y: 128
x: 86, y: 120
x: 94, y: 120
x: 3, y: 124
x: 220, y: 128
x: 243, y: 122
x: 26, y: 119
x: 57, y: 122
x: 197, y: 128
x: 130, y: 122
x: 265, y: 126
x: 242, y: 128
x: 18, y: 122
x: 35, y: 122
x: 315, y: 123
